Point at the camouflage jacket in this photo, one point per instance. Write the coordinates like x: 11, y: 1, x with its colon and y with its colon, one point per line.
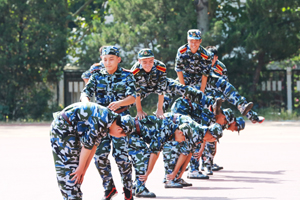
x: 192, y: 65
x: 197, y: 112
x: 156, y: 132
x: 110, y: 87
x: 153, y: 82
x: 198, y: 130
x: 95, y: 67
x: 90, y: 120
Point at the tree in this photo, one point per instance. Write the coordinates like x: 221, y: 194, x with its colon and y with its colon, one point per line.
x: 32, y: 46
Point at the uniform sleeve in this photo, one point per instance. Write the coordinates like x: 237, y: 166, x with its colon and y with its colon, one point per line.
x: 162, y: 83
x: 86, y: 74
x: 90, y: 87
x: 130, y: 86
x: 179, y: 62
x: 185, y: 148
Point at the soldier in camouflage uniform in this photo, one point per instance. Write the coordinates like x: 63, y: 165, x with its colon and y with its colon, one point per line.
x: 95, y: 67
x: 218, y: 69
x: 173, y: 153
x: 150, y: 75
x: 115, y: 88
x: 145, y: 144
x: 75, y: 133
x: 193, y: 63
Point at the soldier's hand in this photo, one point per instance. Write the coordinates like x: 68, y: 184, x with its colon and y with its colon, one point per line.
x: 141, y: 115
x: 170, y: 176
x: 78, y: 175
x: 114, y: 105
x: 197, y: 155
x: 143, y: 177
x: 160, y: 114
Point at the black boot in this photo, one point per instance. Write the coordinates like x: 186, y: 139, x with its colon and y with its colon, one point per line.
x: 109, y: 194
x: 127, y: 194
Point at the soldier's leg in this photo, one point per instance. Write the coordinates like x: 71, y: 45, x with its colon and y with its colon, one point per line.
x: 140, y: 154
x: 103, y: 164
x: 207, y: 157
x: 171, y: 153
x: 231, y: 94
x: 66, y: 159
x: 120, y: 148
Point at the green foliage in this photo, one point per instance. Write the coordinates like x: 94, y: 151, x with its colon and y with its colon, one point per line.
x: 32, y: 49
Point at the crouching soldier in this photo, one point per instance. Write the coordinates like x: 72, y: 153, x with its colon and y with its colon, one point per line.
x: 75, y: 134
x: 145, y: 144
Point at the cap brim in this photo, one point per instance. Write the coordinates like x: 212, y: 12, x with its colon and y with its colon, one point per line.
x: 194, y: 38
x: 146, y: 57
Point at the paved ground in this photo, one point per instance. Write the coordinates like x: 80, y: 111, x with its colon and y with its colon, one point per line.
x: 261, y: 163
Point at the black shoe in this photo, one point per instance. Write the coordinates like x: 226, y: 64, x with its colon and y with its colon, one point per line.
x: 207, y: 170
x: 216, y: 167
x: 245, y: 108
x: 109, y: 194
x: 183, y: 182
x: 128, y: 194
x: 146, y: 194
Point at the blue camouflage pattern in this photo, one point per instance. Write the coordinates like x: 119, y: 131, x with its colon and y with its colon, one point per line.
x: 89, y: 124
x: 95, y: 67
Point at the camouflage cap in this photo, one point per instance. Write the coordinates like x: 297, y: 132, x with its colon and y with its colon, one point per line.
x: 194, y: 34
x: 145, y: 53
x: 187, y: 130
x: 240, y: 123
x: 228, y: 115
x: 110, y: 50
x: 128, y: 124
x: 216, y: 131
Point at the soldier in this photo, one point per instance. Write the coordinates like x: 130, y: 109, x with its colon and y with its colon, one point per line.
x: 150, y: 76
x: 172, y: 151
x: 145, y: 144
x: 193, y: 63
x: 95, y: 67
x: 115, y: 88
x: 219, y: 69
x: 75, y: 133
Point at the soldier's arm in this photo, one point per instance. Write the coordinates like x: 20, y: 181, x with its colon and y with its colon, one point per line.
x: 89, y: 90
x: 199, y: 154
x: 180, y: 77
x: 124, y: 102
x: 152, y: 160
x: 185, y: 164
x: 160, y: 112
x: 84, y: 162
x: 181, y: 160
x: 140, y: 113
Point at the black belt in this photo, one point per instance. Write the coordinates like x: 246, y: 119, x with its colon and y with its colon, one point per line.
x: 137, y: 126
x: 120, y: 110
x: 66, y: 118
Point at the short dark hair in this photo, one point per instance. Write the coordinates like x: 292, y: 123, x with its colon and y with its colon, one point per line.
x: 118, y: 121
x: 213, y: 49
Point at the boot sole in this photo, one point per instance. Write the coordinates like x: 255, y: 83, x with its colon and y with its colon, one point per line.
x: 218, y: 106
x: 141, y: 196
x: 248, y: 108
x: 205, y: 177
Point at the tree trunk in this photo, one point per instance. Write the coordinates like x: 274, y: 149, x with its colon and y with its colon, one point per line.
x: 202, y: 15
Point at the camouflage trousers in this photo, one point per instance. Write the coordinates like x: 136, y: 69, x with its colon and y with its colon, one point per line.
x: 194, y: 163
x: 171, y: 153
x: 140, y: 154
x: 66, y: 149
x: 120, y: 146
x: 208, y: 154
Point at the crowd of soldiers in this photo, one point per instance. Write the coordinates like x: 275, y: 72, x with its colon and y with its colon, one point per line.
x: 188, y: 132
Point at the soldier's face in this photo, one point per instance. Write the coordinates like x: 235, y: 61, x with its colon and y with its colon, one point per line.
x: 147, y: 63
x: 221, y: 119
x: 179, y: 136
x: 233, y: 127
x: 194, y: 44
x: 116, y: 131
x: 208, y: 137
x: 111, y: 62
